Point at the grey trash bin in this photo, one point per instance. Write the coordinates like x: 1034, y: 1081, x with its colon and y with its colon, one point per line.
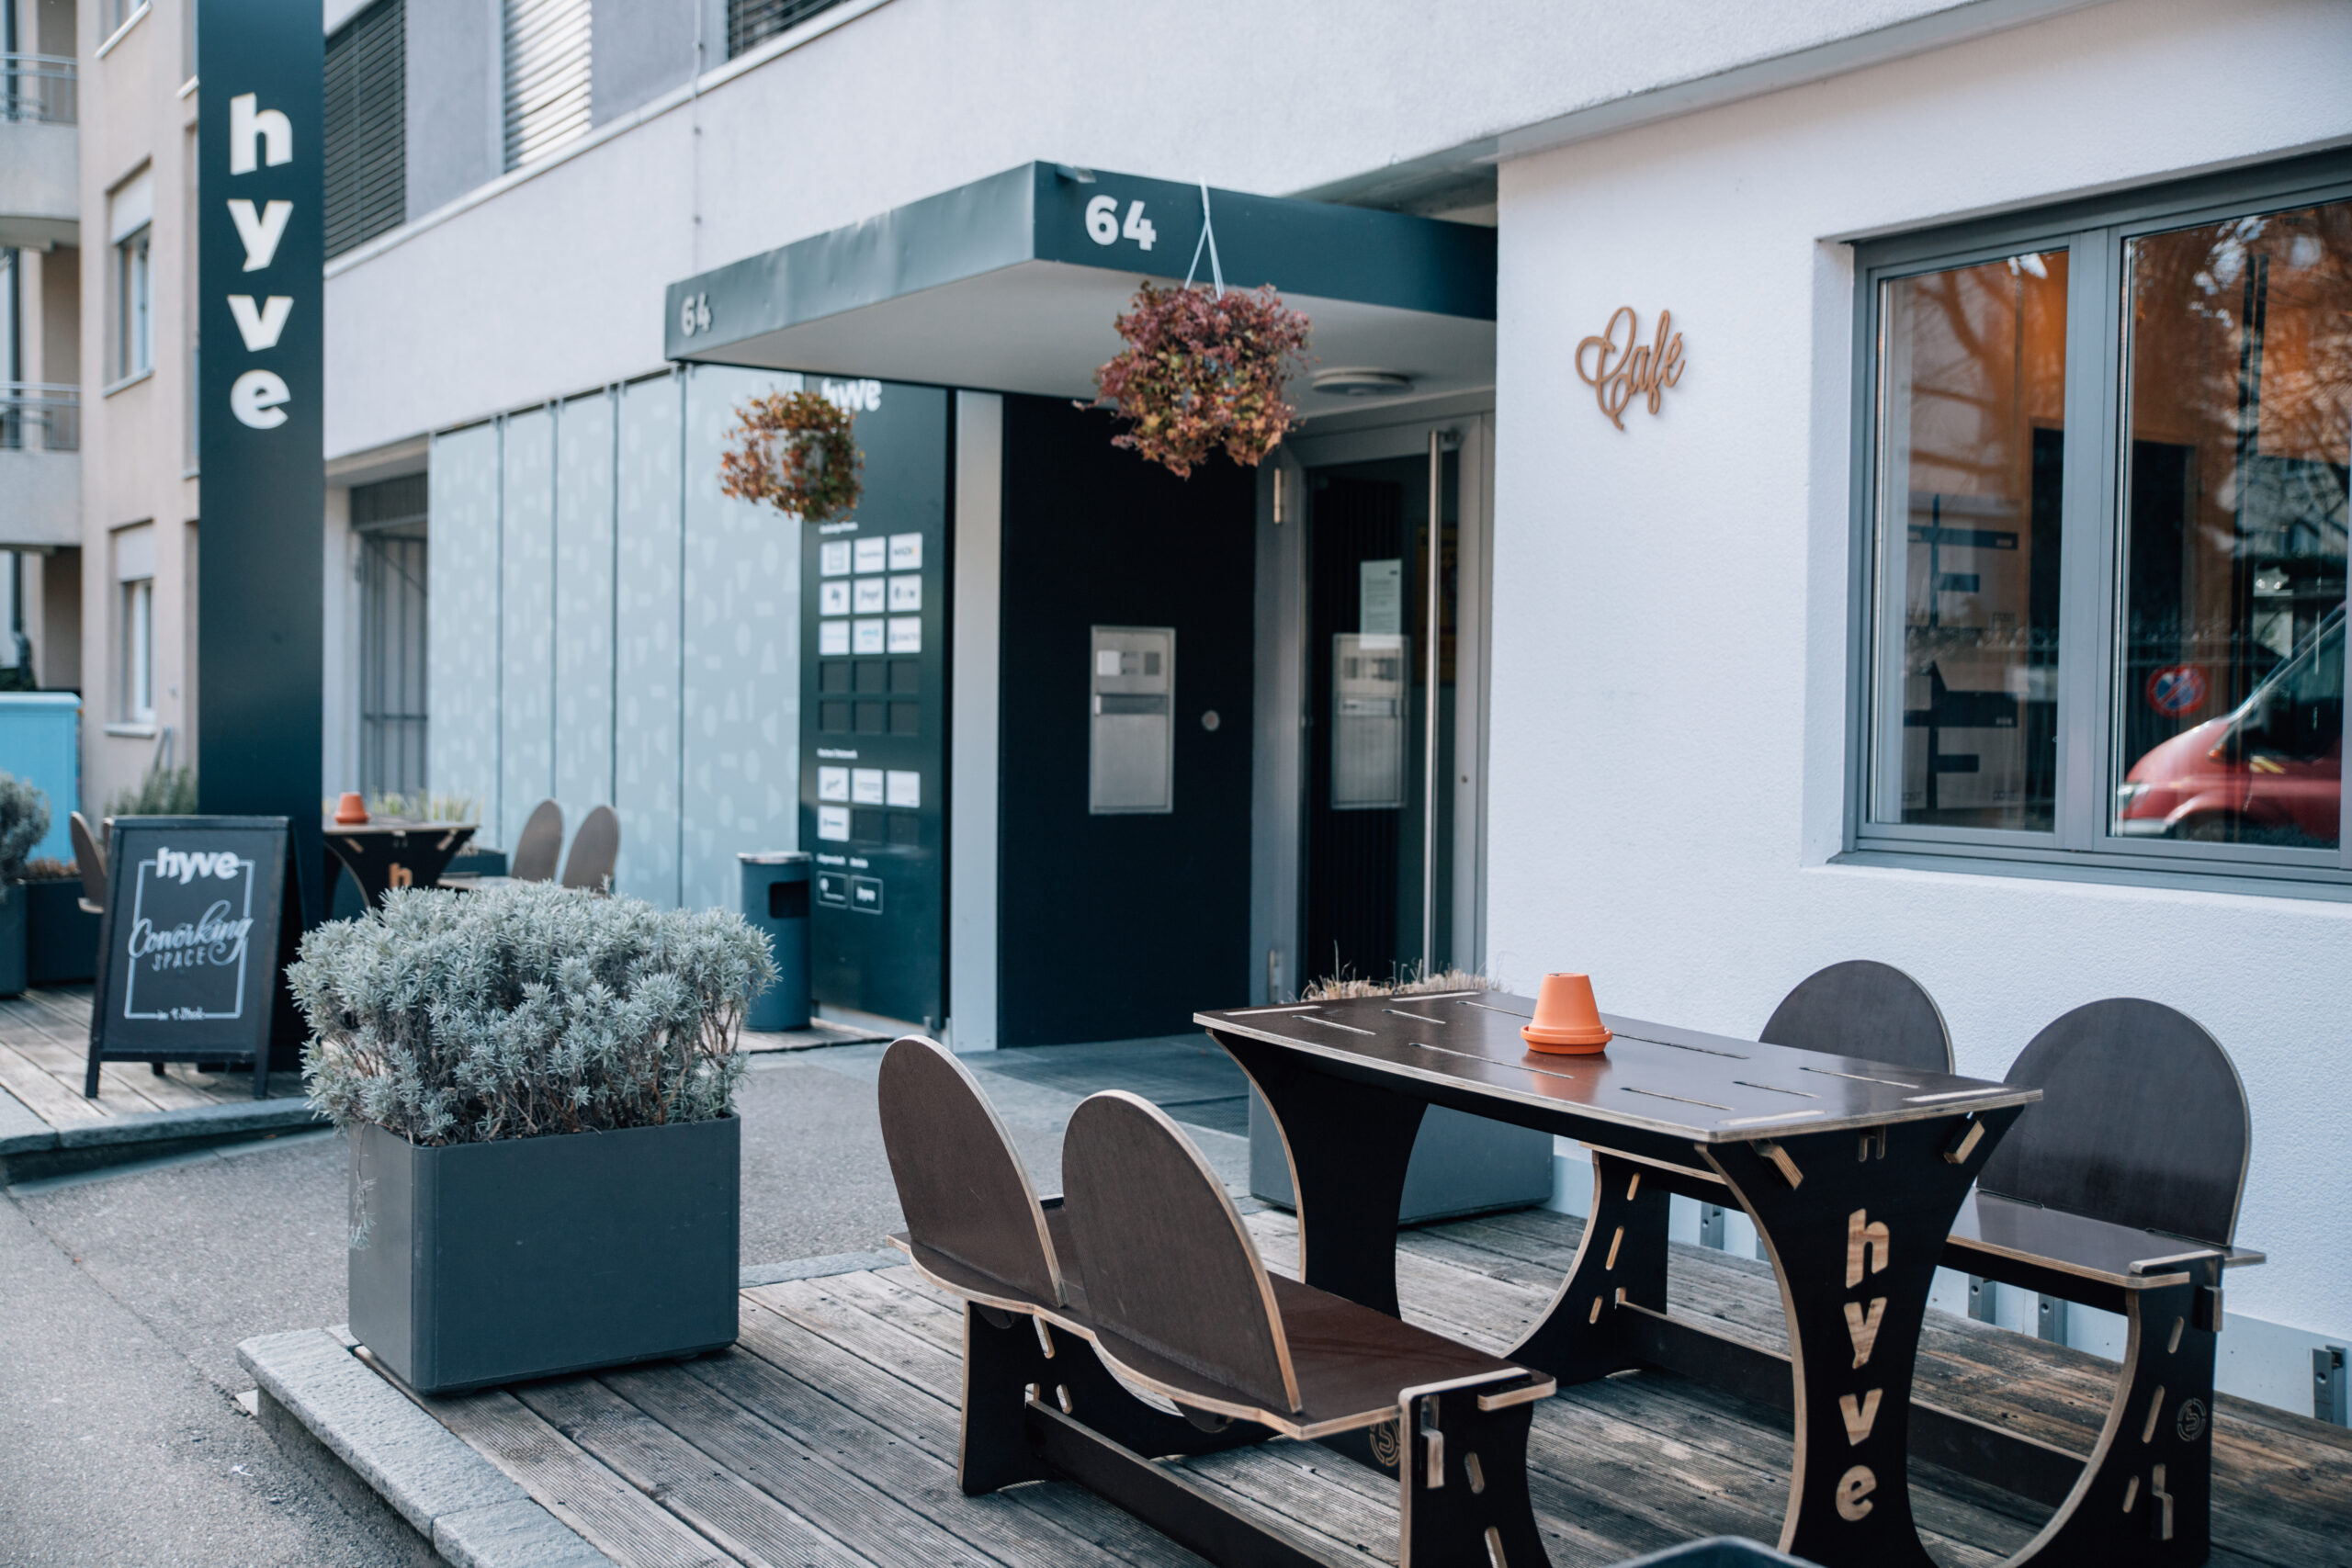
x: 776, y: 902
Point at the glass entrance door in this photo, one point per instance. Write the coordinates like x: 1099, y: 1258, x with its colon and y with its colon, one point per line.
x: 1379, y: 809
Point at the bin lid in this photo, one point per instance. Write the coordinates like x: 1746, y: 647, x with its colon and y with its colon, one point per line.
x: 771, y: 857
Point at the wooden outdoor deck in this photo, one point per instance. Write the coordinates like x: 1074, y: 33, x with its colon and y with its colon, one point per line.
x: 828, y: 1436
x: 45, y: 1047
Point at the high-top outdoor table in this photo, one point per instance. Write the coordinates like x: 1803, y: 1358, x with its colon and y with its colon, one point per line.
x: 1852, y: 1171
x: 391, y: 853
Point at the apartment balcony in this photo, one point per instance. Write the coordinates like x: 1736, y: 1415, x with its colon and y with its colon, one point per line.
x: 38, y: 146
x: 41, y: 464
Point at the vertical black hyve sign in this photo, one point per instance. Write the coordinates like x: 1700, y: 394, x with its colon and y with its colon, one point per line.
x: 261, y: 544
x: 194, y: 938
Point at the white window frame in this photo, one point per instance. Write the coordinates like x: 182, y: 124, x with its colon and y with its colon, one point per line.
x: 2094, y: 233
x: 136, y: 609
x: 134, y: 301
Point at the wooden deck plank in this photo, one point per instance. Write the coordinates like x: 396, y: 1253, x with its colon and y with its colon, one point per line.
x: 739, y: 1518
x: 43, y: 1095
x: 909, y: 1471
x: 613, y: 1516
x: 927, y: 1420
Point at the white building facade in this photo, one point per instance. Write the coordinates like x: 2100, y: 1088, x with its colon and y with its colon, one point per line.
x: 1788, y: 664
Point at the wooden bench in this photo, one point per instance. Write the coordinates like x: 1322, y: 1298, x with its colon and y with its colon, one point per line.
x: 2119, y: 1190
x: 1143, y: 1278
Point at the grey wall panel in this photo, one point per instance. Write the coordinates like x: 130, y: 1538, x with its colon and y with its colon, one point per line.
x: 462, y: 588
x: 645, y: 759
x: 741, y: 688
x: 583, y: 606
x: 453, y: 91
x: 643, y: 48
x: 527, y: 621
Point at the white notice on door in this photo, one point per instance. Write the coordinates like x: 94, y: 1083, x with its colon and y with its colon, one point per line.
x: 865, y: 637
x: 870, y: 554
x: 832, y: 637
x: 833, y: 558
x: 865, y: 786
x: 869, y: 596
x: 833, y: 784
x: 1380, y: 598
x: 832, y: 598
x: 906, y: 592
x: 906, y: 788
x: 832, y: 822
x: 906, y: 634
x: 906, y: 552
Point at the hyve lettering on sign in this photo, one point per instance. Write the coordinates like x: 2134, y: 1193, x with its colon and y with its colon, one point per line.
x: 1868, y: 1245
x: 258, y: 137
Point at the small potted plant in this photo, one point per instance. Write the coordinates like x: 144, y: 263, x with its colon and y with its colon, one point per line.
x: 794, y: 451
x: 24, y: 822
x: 1202, y: 369
x: 537, y: 1084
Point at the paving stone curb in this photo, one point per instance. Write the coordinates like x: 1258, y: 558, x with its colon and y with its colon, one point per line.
x: 471, y: 1512
x: 30, y: 1147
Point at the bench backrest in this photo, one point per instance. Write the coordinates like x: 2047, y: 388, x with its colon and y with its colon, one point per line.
x: 2142, y: 1123
x: 1166, y: 1260
x: 90, y: 861
x: 1862, y: 1008
x: 594, y: 848
x: 536, y: 846
x: 961, y: 1183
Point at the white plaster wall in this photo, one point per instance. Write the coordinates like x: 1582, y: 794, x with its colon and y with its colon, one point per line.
x: 1670, y: 601
x: 553, y: 283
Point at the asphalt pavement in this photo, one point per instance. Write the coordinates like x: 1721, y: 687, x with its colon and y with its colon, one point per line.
x: 124, y: 1294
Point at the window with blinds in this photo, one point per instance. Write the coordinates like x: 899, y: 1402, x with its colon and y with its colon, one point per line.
x: 367, y: 125
x: 749, y: 21
x: 547, y: 76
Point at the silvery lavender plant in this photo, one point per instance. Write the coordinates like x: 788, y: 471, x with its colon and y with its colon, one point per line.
x: 526, y: 1011
x: 24, y: 822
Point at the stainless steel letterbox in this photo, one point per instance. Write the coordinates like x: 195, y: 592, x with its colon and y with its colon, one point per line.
x: 1131, y: 754
x: 1368, y: 691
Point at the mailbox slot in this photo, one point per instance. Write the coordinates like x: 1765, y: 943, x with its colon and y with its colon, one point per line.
x: 1131, y: 749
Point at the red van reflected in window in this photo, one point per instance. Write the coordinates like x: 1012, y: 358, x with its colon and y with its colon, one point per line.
x: 2269, y: 772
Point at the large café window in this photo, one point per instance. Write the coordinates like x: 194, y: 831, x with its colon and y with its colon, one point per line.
x: 2105, y: 529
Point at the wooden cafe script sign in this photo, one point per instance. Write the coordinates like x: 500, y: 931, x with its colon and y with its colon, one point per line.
x: 189, y: 949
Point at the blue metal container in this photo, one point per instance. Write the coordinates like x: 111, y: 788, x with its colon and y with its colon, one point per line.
x: 775, y: 903
x: 40, y: 743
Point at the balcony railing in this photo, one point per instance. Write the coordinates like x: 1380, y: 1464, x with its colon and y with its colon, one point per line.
x: 39, y: 417
x: 38, y: 87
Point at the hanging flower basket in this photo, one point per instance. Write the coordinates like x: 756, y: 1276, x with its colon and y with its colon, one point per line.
x: 793, y: 450
x: 1203, y: 369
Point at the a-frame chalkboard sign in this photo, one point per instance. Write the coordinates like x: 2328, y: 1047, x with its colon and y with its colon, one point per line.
x: 193, y: 941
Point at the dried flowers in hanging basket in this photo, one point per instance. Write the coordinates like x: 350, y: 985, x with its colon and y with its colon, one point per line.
x: 793, y: 450
x: 1202, y: 369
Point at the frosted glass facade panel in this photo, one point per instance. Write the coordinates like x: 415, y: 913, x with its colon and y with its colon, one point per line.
x: 527, y: 621
x: 584, y: 608
x: 461, y: 667
x: 645, y: 681
x: 741, y: 687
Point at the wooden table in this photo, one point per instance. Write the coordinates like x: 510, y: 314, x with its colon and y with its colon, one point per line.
x: 392, y: 852
x: 1852, y: 1171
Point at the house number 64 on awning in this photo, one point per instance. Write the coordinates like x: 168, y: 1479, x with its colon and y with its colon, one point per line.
x: 1102, y: 225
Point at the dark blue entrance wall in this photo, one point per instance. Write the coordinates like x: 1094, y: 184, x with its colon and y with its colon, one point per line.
x: 1112, y: 927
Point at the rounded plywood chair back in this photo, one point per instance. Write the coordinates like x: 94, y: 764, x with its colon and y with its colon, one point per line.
x: 2142, y: 1123
x: 595, y: 848
x: 961, y: 1183
x: 91, y: 862
x: 1865, y: 1009
x: 536, y: 846
x: 1166, y: 1261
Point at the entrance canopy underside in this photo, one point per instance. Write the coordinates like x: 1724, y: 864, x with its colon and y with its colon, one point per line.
x: 1011, y: 284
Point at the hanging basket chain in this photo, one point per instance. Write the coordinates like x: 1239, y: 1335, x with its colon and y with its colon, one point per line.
x: 1208, y: 238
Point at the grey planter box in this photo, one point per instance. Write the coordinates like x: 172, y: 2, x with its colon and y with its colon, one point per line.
x: 1461, y: 1165
x: 489, y: 1263
x: 14, y: 927
x: 61, y: 946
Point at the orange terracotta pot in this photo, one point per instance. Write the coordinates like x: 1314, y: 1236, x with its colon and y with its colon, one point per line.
x: 351, y: 810
x: 1567, y: 1021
